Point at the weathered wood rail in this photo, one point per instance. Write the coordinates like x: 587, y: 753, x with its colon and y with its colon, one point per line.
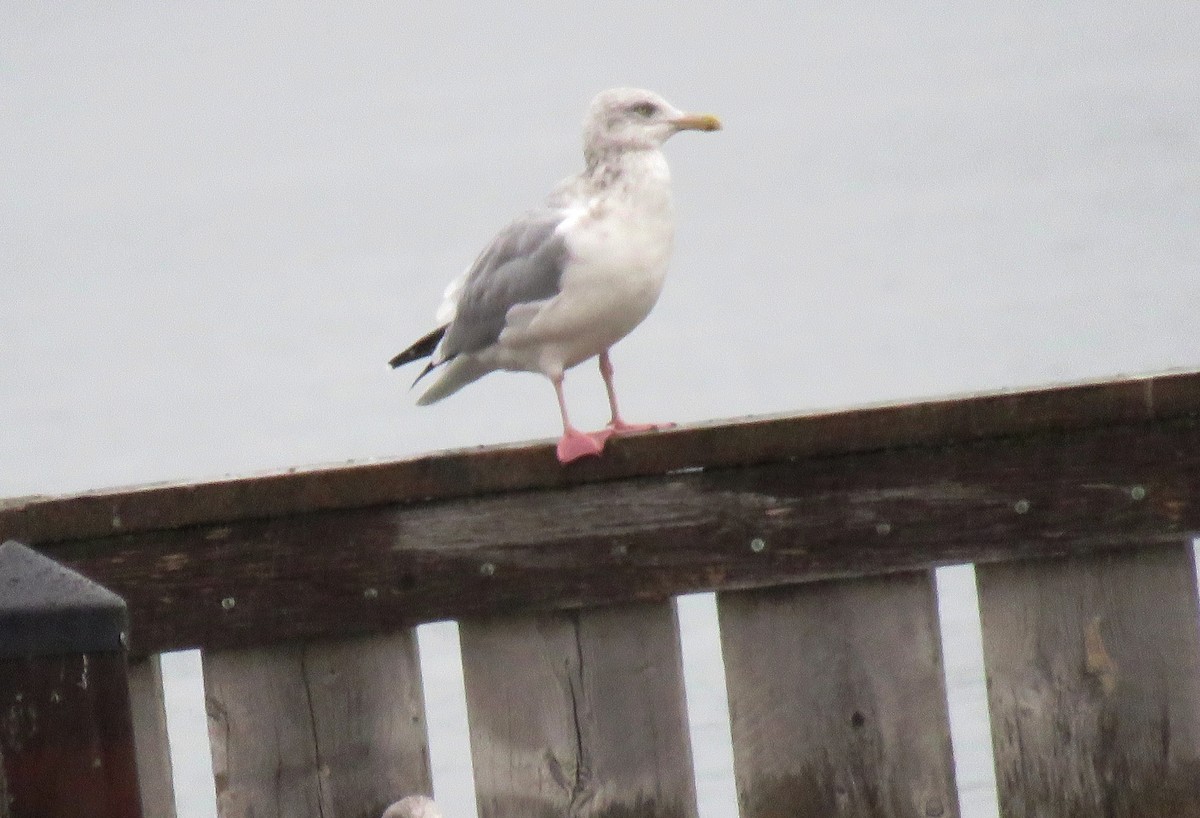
x: 819, y: 534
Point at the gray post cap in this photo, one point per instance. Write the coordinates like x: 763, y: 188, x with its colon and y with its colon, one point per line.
x: 46, y: 608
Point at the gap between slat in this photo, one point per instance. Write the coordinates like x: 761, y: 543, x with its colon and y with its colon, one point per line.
x: 966, y: 691
x: 446, y: 718
x: 708, y: 705
x: 187, y: 729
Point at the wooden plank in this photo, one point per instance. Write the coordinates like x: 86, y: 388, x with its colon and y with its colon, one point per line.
x: 1094, y: 684
x: 357, y: 571
x: 837, y: 700
x: 469, y: 472
x: 579, y: 714
x: 155, y: 779
x: 325, y: 729
x: 261, y: 734
x: 368, y: 709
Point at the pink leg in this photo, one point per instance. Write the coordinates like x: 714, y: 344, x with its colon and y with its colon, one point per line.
x: 618, y: 425
x: 574, y: 444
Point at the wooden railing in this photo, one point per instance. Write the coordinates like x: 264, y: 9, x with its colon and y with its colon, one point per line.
x: 819, y: 534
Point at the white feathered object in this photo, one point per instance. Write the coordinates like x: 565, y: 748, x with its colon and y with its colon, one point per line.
x: 414, y: 806
x: 567, y: 280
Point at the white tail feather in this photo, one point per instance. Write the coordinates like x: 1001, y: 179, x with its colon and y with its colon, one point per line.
x: 457, y: 374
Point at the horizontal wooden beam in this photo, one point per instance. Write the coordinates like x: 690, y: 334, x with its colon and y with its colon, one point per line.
x: 241, y: 582
x: 486, y: 470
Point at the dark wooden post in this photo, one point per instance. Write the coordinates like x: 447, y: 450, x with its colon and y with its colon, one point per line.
x: 66, y: 735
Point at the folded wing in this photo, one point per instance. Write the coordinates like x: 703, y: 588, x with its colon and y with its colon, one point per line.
x: 522, y: 265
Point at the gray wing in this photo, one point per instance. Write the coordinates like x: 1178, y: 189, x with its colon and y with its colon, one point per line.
x: 524, y: 263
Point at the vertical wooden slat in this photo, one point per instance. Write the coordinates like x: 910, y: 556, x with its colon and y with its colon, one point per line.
x: 1093, y: 671
x: 368, y: 709
x: 66, y: 737
x: 837, y: 699
x: 150, y: 737
x: 579, y: 713
x: 334, y: 729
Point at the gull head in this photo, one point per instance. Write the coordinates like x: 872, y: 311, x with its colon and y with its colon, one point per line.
x: 631, y: 119
x: 414, y: 806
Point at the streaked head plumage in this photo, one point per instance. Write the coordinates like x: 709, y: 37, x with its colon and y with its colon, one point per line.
x: 623, y: 119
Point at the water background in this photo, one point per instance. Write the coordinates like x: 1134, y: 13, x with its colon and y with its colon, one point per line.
x: 220, y: 220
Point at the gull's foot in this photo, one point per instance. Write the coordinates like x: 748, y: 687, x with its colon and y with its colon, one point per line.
x: 620, y: 427
x: 601, y: 436
x: 574, y: 444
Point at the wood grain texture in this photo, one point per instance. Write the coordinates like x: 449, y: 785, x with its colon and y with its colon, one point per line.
x: 331, y: 729
x: 579, y: 714
x: 155, y: 778
x: 1094, y: 684
x: 382, y: 568
x: 66, y: 737
x: 837, y: 700
x: 719, y: 444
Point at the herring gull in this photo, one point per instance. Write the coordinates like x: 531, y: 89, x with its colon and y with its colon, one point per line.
x: 567, y: 280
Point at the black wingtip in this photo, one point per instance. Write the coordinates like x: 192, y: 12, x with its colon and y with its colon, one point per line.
x: 428, y: 368
x: 423, y: 348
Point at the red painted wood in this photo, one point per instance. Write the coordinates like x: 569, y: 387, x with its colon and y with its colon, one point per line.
x: 67, y: 737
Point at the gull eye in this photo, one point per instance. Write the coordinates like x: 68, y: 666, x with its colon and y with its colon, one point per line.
x: 646, y: 109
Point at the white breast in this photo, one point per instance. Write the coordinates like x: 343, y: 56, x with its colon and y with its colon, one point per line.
x: 619, y: 242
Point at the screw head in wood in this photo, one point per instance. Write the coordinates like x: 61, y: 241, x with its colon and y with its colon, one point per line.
x: 371, y: 593
x: 883, y: 529
x: 757, y: 545
x: 487, y: 569
x: 228, y: 602
x: 1021, y: 506
x: 1137, y: 493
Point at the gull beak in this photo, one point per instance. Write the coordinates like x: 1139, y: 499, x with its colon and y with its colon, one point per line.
x: 696, y: 122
